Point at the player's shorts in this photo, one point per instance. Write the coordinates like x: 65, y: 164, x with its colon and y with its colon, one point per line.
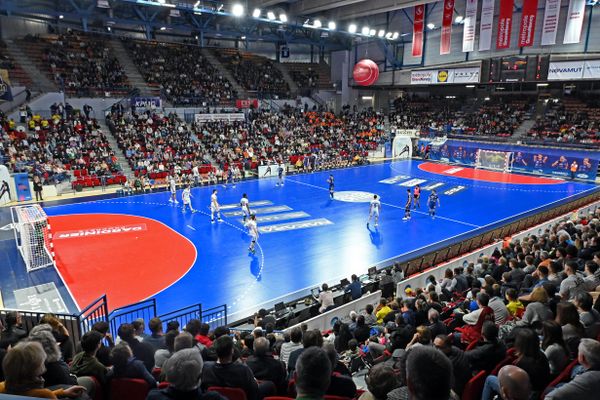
x: 214, y: 209
x: 187, y: 202
x: 246, y: 211
x: 173, y: 191
x: 432, y: 206
x: 374, y: 214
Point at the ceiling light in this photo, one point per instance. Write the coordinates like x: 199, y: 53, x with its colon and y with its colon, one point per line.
x: 243, y: 38
x: 271, y: 15
x: 372, y: 32
x: 431, y: 25
x: 542, y: 84
x: 470, y: 86
x: 256, y: 13
x: 61, y: 16
x: 395, y: 35
x: 388, y: 35
x: 352, y: 28
x: 283, y: 17
x: 237, y: 10
x: 317, y: 23
x: 163, y: 28
x: 108, y: 28
x: 196, y: 4
x: 459, y: 19
x: 365, y: 30
x: 162, y: 1
x: 367, y: 98
x: 331, y: 25
x: 381, y: 33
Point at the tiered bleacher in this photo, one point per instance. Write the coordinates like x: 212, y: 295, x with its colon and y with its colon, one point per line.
x: 81, y: 64
x: 181, y: 73
x: 310, y: 75
x: 17, y: 76
x: 255, y: 73
x: 525, y: 318
x: 570, y: 120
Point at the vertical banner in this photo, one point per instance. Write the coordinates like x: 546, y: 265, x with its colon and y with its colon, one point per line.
x: 505, y: 20
x: 550, y: 25
x: 418, y: 26
x: 486, y: 26
x: 446, y: 36
x: 4, y: 185
x: 574, y: 21
x: 527, y: 28
x: 22, y: 186
x: 470, y: 22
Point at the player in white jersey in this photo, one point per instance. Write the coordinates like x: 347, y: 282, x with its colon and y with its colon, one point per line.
x: 186, y: 198
x: 214, y: 207
x: 172, y: 189
x: 374, y: 210
x: 253, y: 232
x: 245, y: 204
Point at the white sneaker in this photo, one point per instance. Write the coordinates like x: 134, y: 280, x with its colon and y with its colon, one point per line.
x: 170, y: 200
x: 220, y: 220
x: 212, y: 221
x: 405, y: 219
x: 376, y: 225
x: 176, y: 202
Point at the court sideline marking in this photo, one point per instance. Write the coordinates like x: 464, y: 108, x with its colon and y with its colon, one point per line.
x: 393, y: 206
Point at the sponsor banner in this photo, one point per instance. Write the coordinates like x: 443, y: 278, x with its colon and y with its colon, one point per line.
x: 574, y: 21
x: 394, y: 179
x: 454, y: 190
x: 248, y: 103
x: 469, y: 24
x: 446, y: 36
x: 22, y: 187
x: 505, y: 20
x: 264, y: 210
x: 413, y: 182
x: 540, y: 161
x: 259, y: 203
x: 591, y: 69
x: 280, y: 217
x: 565, y: 70
x: 146, y: 102
x: 219, y: 117
x: 292, y: 226
x: 418, y: 26
x: 442, y: 76
x: 527, y: 27
x: 453, y: 171
x: 94, y: 232
x: 486, y: 25
x: 433, y: 185
x: 5, y: 195
x: 550, y: 24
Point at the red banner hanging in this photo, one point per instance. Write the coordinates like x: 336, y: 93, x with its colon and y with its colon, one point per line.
x: 505, y: 20
x: 446, y: 38
x: 418, y: 26
x: 246, y: 103
x: 528, y: 18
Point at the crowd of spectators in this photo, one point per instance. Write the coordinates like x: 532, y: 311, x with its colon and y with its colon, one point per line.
x: 182, y: 73
x: 256, y: 73
x: 306, y: 79
x: 56, y: 148
x: 82, y: 64
x: 570, y: 120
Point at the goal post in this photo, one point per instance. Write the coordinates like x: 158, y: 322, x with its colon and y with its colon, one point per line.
x: 33, y: 236
x: 494, y: 160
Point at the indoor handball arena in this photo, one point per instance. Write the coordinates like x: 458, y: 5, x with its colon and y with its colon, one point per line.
x: 311, y: 199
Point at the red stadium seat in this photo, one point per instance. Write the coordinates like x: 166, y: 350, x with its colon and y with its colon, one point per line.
x: 230, y: 393
x: 474, y: 387
x: 130, y: 389
x: 564, y: 376
x: 156, y: 373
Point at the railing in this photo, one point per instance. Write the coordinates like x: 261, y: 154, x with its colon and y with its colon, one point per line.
x: 32, y: 318
x: 216, y: 316
x: 183, y: 315
x: 144, y: 309
x: 95, y: 312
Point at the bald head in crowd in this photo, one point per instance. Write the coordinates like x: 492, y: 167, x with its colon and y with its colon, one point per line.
x: 514, y: 383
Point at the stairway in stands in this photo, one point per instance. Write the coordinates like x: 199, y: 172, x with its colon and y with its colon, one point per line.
x: 214, y: 61
x: 40, y: 80
x: 287, y: 77
x: 523, y: 129
x: 133, y: 74
x: 114, y: 145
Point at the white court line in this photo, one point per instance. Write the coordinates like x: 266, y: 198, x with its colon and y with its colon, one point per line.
x: 191, y: 227
x: 393, y: 206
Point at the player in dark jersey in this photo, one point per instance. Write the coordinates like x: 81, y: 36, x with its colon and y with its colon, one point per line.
x: 280, y: 171
x: 417, y: 196
x: 409, y: 200
x: 331, y: 183
x: 432, y: 202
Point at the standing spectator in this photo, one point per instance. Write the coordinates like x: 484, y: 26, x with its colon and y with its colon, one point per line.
x: 38, y: 188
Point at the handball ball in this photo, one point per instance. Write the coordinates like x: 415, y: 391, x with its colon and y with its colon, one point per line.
x: 365, y: 72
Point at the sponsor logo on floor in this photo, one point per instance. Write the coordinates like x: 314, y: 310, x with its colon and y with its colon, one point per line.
x: 393, y: 179
x: 454, y: 190
x: 110, y: 230
x: 40, y: 298
x: 351, y: 196
x: 433, y: 185
x: 291, y: 226
x: 280, y: 217
x: 412, y: 182
x: 259, y: 203
x: 453, y: 171
x: 263, y: 210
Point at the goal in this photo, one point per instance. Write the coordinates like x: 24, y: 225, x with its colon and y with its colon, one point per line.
x: 494, y: 160
x: 33, y: 236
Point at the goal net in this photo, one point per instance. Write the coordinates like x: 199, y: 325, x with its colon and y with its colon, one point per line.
x: 494, y: 160
x: 33, y: 236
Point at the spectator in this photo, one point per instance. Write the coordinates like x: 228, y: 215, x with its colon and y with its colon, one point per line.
x: 436, y: 327
x: 103, y: 353
x: 339, y: 385
x: 554, y: 346
x: 325, y: 299
x: 162, y: 355
x: 354, y: 288
x: 514, y: 383
x: 370, y: 318
x: 57, y: 371
x: 294, y: 344
x: 514, y: 306
x: 537, y: 310
x: 125, y: 365
x: 12, y: 332
x: 85, y: 363
x: 587, y: 384
x: 142, y: 351
x: 156, y: 338
x: 310, y: 338
x: 568, y: 318
x: 202, y: 336
x: 572, y: 284
x: 460, y: 363
x: 342, y: 338
x: 382, y: 310
x: 382, y: 383
x: 474, y: 320
x: 487, y: 354
x: 588, y: 316
x: 362, y: 332
x: 265, y: 367
x: 425, y: 365
x: 313, y: 374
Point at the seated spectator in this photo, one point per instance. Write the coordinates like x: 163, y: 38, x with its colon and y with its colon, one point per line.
x: 382, y: 310
x: 354, y: 288
x: 537, y: 310
x: 587, y: 384
x: 436, y: 327
x: 588, y: 316
x: 61, y: 334
x: 496, y: 303
x: 573, y: 331
x: 339, y: 385
x: 514, y: 306
x: 85, y: 363
x: 12, y: 332
x: 162, y: 355
x: 514, y: 383
x: 310, y: 338
x: 325, y: 299
x: 554, y: 346
x: 489, y: 352
x: 572, y: 284
x: 460, y: 363
x: 592, y: 276
x: 202, y: 336
x: 425, y: 365
x: 57, y: 371
x: 156, y: 338
x: 142, y: 351
x: 313, y: 374
x: 294, y: 344
x: 224, y: 372
x: 474, y: 320
x: 265, y: 367
x: 125, y: 365
x: 23, y: 368
x: 382, y: 383
x: 103, y: 353
x: 362, y: 332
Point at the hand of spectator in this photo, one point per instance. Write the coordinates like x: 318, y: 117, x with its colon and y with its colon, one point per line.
x: 74, y: 391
